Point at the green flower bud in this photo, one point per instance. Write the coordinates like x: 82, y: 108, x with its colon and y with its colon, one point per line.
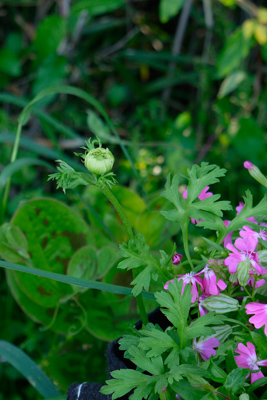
x: 262, y: 258
x: 256, y: 173
x: 233, y: 278
x: 244, y: 396
x: 99, y: 161
x: 222, y: 332
x: 221, y: 304
x: 243, y: 269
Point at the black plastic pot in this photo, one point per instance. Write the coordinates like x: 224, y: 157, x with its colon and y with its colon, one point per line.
x: 115, y: 360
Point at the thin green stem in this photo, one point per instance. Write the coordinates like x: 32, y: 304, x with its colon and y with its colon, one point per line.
x: 119, y: 210
x: 13, y: 158
x: 129, y: 233
x: 249, y: 294
x: 185, y: 243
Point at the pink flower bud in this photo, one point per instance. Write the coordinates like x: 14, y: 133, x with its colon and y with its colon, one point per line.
x: 176, y: 258
x: 248, y: 165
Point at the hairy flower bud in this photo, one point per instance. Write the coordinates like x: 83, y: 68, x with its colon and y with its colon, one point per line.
x: 243, y: 269
x: 221, y: 304
x: 244, y: 396
x: 255, y: 173
x: 99, y: 161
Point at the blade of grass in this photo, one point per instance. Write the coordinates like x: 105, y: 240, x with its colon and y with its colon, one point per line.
x: 52, y: 154
x: 28, y: 368
x: 71, y: 280
x: 42, y: 115
x: 17, y: 165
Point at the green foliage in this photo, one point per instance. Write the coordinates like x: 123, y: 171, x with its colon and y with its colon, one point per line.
x: 26, y: 366
x: 136, y: 254
x: 168, y: 9
x: 236, y: 49
x: 170, y: 109
x: 68, y: 178
x: 208, y: 209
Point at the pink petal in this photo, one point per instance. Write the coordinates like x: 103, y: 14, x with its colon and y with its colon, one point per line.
x: 241, y: 361
x: 262, y: 363
x: 243, y: 350
x: 254, y: 377
x: 212, y: 342
x: 221, y: 284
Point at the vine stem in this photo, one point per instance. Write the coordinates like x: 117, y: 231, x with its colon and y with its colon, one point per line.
x: 130, y: 236
x: 13, y: 158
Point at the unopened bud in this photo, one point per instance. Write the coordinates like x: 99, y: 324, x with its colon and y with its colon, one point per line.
x: 244, y: 396
x: 99, y: 161
x: 221, y: 304
x: 243, y: 269
x: 255, y: 173
x: 176, y: 258
x: 165, y: 395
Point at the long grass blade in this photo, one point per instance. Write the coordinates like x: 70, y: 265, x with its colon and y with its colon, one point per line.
x: 42, y: 115
x: 52, y: 154
x: 71, y: 280
x: 17, y: 165
x: 28, y: 368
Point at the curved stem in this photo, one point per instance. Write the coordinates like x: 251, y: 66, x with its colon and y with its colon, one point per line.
x: 13, y: 158
x: 185, y: 243
x: 130, y: 236
x: 119, y: 210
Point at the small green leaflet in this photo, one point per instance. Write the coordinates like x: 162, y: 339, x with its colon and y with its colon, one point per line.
x: 155, y: 341
x: 176, y: 306
x: 236, y: 379
x: 248, y: 211
x: 201, y: 176
x: 124, y: 381
x: 200, y: 326
x: 68, y: 178
x: 139, y: 357
x: 209, y: 209
x: 136, y: 254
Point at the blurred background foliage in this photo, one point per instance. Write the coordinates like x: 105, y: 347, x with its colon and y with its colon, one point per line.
x: 182, y: 81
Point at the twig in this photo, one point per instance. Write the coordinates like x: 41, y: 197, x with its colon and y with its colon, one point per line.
x: 42, y: 10
x: 75, y: 143
x: 64, y: 8
x: 248, y: 6
x: 120, y: 44
x: 177, y: 44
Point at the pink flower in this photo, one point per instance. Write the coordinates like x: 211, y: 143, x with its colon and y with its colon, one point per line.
x: 251, y: 236
x: 201, y: 305
x: 210, y: 283
x: 206, y: 348
x: 248, y: 359
x: 176, y: 258
x: 260, y: 317
x: 246, y: 252
x: 189, y: 279
x: 258, y: 284
x: 204, y: 194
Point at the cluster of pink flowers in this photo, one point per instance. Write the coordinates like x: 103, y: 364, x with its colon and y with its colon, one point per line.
x: 243, y: 258
x: 209, y: 284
